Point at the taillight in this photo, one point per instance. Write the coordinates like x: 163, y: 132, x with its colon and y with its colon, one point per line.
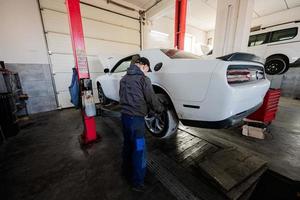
x: 242, y: 74
x: 238, y: 76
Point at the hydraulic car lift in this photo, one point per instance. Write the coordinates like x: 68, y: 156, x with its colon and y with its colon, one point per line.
x: 85, y: 84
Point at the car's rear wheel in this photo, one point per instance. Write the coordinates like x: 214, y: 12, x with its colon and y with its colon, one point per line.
x: 276, y: 65
x: 162, y: 125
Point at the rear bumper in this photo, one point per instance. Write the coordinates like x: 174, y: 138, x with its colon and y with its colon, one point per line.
x: 226, y: 123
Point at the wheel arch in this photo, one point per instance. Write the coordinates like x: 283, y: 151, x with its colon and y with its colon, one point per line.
x: 98, y: 84
x: 160, y: 90
x: 279, y: 55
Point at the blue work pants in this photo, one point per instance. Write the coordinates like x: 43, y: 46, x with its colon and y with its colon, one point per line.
x: 134, y: 149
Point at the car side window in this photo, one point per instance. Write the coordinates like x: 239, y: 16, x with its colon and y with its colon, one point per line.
x: 252, y: 40
x: 123, y: 64
x: 122, y: 67
x: 285, y: 34
x: 259, y: 39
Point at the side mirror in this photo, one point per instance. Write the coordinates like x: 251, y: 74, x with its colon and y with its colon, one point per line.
x: 106, y: 70
x: 158, y: 66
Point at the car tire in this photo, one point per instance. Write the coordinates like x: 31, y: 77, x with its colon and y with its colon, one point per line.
x: 166, y: 122
x: 101, y: 96
x: 276, y: 65
x: 287, y: 66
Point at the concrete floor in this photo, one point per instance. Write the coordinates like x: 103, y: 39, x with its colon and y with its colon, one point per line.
x: 44, y: 161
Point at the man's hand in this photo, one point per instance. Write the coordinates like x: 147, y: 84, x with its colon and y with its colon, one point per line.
x: 152, y: 114
x: 165, y: 103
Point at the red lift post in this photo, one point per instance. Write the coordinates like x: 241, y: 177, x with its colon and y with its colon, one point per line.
x: 180, y: 23
x: 73, y: 8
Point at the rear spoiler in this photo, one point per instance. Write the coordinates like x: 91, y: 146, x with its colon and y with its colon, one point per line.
x: 242, y: 57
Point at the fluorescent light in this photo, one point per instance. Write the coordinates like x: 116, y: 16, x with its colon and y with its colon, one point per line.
x: 158, y: 33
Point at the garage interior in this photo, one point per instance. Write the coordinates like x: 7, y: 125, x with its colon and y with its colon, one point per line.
x: 50, y: 150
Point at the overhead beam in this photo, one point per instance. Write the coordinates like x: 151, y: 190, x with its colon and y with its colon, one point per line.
x: 160, y: 9
x: 149, y: 8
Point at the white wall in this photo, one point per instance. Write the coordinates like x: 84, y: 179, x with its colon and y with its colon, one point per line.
x: 152, y: 40
x: 23, y: 49
x: 166, y: 25
x: 199, y: 38
x: 276, y: 18
x: 232, y: 26
x: 21, y: 34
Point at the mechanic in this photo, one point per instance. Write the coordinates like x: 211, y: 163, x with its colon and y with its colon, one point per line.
x: 137, y: 98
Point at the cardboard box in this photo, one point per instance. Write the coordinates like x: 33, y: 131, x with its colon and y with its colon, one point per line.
x: 255, y: 132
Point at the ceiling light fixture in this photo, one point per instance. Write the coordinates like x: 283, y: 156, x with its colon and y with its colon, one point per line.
x: 158, y: 33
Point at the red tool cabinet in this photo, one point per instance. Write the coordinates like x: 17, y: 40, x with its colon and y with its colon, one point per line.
x: 267, y: 112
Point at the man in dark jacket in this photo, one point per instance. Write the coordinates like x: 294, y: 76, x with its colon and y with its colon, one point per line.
x: 136, y: 98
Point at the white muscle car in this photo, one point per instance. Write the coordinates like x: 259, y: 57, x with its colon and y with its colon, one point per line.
x: 209, y: 93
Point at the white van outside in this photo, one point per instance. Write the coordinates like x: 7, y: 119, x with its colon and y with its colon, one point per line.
x: 278, y: 44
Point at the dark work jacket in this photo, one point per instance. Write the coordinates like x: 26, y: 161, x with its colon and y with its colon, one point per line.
x: 136, y: 93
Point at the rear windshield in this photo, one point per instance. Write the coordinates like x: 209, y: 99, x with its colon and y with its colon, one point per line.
x: 179, y: 54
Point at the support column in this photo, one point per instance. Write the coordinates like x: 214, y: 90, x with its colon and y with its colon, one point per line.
x: 180, y: 23
x: 85, y: 85
x: 233, y: 25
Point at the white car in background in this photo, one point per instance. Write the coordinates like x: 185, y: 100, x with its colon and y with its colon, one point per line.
x: 216, y: 93
x: 278, y: 44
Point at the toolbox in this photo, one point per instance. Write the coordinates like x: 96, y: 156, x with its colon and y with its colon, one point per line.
x: 267, y: 112
x: 256, y: 124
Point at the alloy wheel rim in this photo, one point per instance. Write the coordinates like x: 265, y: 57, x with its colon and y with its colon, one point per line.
x: 274, y: 67
x: 155, y: 123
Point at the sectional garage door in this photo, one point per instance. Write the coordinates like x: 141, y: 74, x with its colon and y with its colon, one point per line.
x: 105, y: 34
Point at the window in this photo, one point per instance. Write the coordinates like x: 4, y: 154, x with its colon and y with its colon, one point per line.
x: 188, y: 43
x: 259, y: 39
x: 123, y: 66
x: 252, y: 39
x: 276, y: 36
x: 285, y: 34
x: 210, y: 42
x: 178, y: 54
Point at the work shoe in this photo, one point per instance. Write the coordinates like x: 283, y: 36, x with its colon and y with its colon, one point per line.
x: 139, y: 188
